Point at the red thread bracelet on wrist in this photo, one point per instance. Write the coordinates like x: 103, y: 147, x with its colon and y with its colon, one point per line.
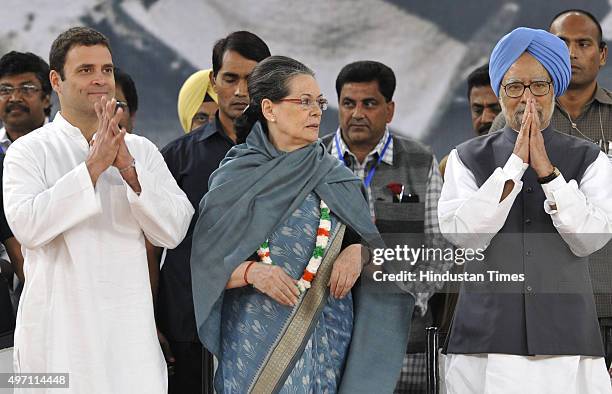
x: 246, y: 271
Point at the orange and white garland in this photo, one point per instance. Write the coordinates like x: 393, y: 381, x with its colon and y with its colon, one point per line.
x: 317, y: 254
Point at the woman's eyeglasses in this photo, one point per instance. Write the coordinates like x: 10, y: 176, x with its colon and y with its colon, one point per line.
x: 306, y: 102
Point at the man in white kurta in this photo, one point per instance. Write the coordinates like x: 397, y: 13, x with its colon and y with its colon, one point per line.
x: 505, y: 185
x: 86, y: 308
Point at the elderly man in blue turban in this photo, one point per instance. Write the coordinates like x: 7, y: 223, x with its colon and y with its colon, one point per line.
x: 539, y: 203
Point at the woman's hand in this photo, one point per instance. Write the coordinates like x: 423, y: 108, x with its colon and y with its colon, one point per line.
x: 273, y: 281
x: 346, y: 270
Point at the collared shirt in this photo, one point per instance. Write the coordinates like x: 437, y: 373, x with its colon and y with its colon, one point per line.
x: 191, y: 158
x: 362, y: 169
x: 594, y: 123
x: 87, y: 280
x: 434, y: 188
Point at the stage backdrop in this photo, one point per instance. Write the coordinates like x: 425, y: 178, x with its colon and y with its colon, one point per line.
x: 431, y: 46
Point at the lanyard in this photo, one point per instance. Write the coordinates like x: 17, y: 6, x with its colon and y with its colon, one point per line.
x: 368, y: 179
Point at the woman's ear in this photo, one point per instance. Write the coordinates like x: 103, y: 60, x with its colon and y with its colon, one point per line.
x: 267, y: 109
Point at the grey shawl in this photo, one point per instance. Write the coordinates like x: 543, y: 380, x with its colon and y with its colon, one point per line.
x: 254, y: 190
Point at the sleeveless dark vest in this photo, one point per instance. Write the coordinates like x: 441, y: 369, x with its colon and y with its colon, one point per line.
x: 552, y: 312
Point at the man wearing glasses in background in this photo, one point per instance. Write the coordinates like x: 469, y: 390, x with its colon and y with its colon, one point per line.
x: 25, y: 95
x: 25, y: 105
x: 127, y: 99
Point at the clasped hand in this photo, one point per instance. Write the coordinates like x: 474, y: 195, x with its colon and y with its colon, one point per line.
x: 108, y: 148
x: 273, y: 281
x: 529, y: 144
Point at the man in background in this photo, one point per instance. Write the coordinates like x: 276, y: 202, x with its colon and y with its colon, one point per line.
x: 197, y: 101
x: 25, y: 95
x: 191, y: 159
x: 25, y: 105
x: 364, y: 143
x: 484, y: 106
x: 127, y: 99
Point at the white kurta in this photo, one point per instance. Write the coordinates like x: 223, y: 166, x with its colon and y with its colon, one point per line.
x: 86, y: 307
x: 471, y: 216
x: 464, y: 208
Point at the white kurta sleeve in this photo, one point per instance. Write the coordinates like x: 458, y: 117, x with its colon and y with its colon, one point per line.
x: 470, y: 216
x: 37, y: 212
x: 583, y: 214
x: 162, y: 208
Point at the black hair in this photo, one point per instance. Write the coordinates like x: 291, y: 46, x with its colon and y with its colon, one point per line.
x: 368, y: 71
x: 72, y: 37
x: 128, y: 87
x: 14, y: 63
x: 268, y: 80
x: 478, y: 77
x: 601, y: 42
x: 247, y: 44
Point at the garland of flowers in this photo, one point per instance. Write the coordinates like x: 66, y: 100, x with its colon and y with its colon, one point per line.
x: 317, y: 254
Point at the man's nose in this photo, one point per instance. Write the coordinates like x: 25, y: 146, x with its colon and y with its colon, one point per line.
x: 488, y: 115
x: 241, y: 88
x: 573, y: 50
x: 526, y: 94
x: 358, y: 112
x: 99, y: 79
x: 16, y: 95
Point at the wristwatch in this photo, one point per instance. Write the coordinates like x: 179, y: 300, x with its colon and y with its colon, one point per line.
x: 555, y: 173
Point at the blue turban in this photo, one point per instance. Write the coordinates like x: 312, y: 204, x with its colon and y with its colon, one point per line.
x: 547, y: 48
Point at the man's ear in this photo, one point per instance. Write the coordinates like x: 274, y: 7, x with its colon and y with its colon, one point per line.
x: 55, y: 79
x: 603, y: 54
x: 390, y: 111
x: 213, y: 81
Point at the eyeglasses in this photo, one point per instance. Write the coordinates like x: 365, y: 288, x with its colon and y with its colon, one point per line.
x: 516, y: 89
x: 306, y: 103
x: 25, y: 91
x: 123, y: 105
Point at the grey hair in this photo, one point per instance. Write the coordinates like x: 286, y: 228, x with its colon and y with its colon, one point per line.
x: 268, y: 80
